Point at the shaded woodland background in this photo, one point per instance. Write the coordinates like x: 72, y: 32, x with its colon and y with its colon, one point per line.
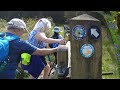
x: 58, y: 16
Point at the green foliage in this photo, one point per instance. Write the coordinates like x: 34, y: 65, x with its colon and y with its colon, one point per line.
x: 109, y: 61
x: 30, y: 22
x: 2, y: 25
x: 110, y: 58
x: 20, y: 74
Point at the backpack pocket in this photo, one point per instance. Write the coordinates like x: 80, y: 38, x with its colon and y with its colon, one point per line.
x: 3, y: 66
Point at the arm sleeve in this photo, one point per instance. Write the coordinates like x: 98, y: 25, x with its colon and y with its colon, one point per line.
x: 60, y: 37
x: 27, y: 47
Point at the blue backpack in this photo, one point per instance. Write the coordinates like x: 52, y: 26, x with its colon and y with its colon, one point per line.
x: 4, y: 50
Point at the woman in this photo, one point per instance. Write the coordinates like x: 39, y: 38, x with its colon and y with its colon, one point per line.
x: 38, y: 38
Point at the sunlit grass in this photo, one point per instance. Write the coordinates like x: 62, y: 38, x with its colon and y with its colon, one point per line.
x: 109, y: 60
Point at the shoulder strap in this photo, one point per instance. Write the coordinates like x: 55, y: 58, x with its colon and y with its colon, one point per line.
x: 2, y: 34
x: 10, y: 38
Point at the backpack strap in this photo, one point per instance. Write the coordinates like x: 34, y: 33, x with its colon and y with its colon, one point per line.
x: 10, y: 38
x: 2, y: 35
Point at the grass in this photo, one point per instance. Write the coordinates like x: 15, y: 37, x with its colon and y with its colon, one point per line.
x: 109, y: 59
x: 109, y: 62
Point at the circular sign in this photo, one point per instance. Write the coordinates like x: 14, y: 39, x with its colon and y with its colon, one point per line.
x: 78, y: 32
x: 94, y: 32
x: 87, y: 50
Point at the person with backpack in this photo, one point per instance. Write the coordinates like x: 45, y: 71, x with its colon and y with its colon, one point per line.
x: 15, y: 28
x: 38, y: 38
x: 56, y: 35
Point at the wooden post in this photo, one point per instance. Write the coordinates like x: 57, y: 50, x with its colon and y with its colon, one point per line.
x: 64, y: 56
x: 81, y: 67
x: 63, y: 59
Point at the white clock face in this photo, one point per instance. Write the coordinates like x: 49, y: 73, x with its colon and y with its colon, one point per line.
x: 79, y: 32
x: 87, y: 50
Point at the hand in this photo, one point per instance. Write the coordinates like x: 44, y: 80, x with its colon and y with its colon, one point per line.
x: 51, y: 63
x: 62, y: 41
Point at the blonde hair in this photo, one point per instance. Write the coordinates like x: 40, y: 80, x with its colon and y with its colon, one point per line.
x: 41, y: 24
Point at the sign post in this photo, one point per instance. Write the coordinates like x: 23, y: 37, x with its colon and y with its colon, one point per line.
x: 86, y: 47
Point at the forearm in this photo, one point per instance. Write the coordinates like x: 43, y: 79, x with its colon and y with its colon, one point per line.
x: 44, y: 51
x: 50, y: 40
x: 42, y: 37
